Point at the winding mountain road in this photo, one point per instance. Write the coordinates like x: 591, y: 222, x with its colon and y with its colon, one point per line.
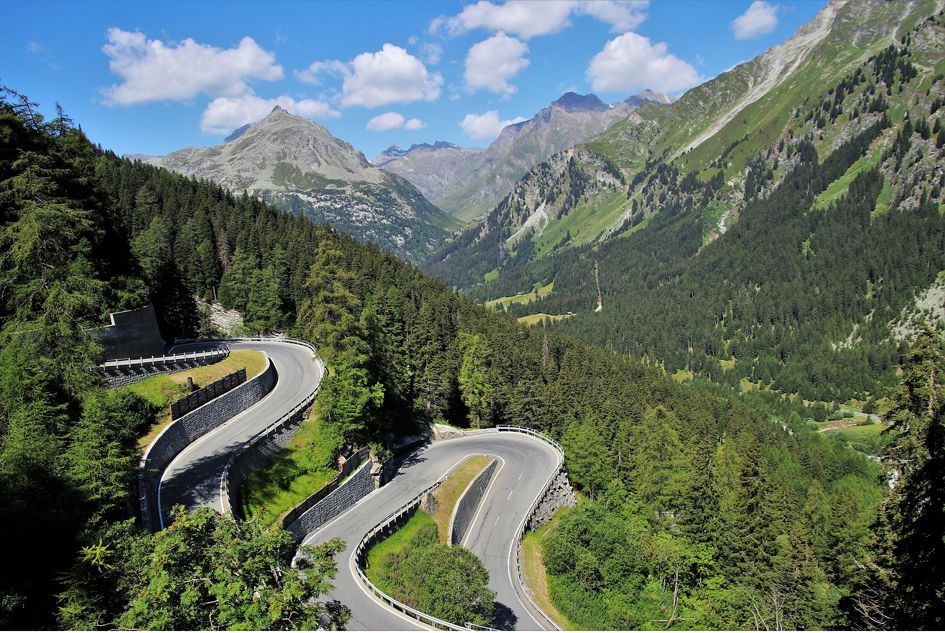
x: 195, y: 476
x: 526, y: 463
x: 194, y: 479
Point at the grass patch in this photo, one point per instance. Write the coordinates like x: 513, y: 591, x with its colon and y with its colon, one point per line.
x: 492, y: 275
x: 683, y: 375
x: 839, y: 187
x: 447, y: 493
x: 162, y: 390
x: 524, y: 299
x: 394, y: 544
x: 536, y: 578
x: 296, y: 472
x: 585, y: 223
x: 533, y: 319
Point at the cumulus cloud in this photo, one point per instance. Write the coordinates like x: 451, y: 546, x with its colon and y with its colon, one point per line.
x: 491, y: 63
x: 225, y: 114
x: 485, y: 126
x: 386, y: 121
x: 758, y: 19
x: 391, y: 75
x: 393, y: 121
x: 631, y: 62
x: 152, y: 70
x: 530, y: 18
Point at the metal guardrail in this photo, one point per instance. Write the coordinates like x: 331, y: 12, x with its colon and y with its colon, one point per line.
x: 369, y: 539
x: 532, y: 510
x: 169, y: 359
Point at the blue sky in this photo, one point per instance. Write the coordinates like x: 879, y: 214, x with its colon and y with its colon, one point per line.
x: 152, y: 77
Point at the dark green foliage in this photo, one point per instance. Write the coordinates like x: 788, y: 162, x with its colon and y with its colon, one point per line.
x: 915, y: 510
x: 447, y: 582
x: 205, y: 572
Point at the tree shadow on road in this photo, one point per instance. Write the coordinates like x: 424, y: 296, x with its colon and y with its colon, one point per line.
x: 503, y: 618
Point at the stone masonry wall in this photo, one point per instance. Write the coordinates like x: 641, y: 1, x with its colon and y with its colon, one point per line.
x: 559, y: 495
x: 356, y: 487
x: 469, y: 502
x: 179, y: 434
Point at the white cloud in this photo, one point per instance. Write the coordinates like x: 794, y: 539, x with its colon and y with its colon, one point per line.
x: 491, y: 63
x: 758, y: 19
x: 530, y: 18
x: 391, y: 75
x: 225, y: 114
x: 431, y: 53
x: 386, y: 121
x: 486, y: 125
x: 154, y: 71
x: 34, y: 47
x: 631, y: 62
x: 393, y: 121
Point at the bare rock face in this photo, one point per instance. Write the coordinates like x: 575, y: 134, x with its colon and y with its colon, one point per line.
x: 468, y: 182
x: 298, y: 165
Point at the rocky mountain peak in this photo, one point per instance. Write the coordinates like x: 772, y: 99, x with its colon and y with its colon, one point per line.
x: 573, y: 102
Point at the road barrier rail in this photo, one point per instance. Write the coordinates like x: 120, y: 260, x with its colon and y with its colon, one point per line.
x: 385, y: 528
x: 531, y: 511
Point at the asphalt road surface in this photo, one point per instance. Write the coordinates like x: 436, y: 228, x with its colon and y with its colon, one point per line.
x: 525, y: 465
x: 194, y: 478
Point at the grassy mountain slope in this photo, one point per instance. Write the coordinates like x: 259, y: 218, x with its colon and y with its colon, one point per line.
x: 864, y: 112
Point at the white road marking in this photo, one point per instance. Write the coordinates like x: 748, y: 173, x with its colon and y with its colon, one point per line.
x: 482, y: 502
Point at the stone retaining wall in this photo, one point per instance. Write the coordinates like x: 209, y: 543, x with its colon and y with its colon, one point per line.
x: 559, y: 495
x: 352, y: 490
x: 469, y: 502
x: 183, y: 431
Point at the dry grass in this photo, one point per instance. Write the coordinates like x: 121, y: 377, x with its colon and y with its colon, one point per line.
x: 162, y: 390
x: 536, y: 578
x: 447, y: 493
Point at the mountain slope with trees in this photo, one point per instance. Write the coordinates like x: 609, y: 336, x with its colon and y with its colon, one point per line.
x: 84, y: 231
x: 795, y: 241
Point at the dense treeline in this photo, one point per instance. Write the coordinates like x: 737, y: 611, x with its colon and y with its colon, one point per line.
x: 711, y: 491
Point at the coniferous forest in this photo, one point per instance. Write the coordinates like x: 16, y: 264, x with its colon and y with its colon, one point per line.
x: 698, y: 510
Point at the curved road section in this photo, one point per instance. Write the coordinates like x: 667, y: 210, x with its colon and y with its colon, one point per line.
x: 526, y: 463
x: 195, y: 476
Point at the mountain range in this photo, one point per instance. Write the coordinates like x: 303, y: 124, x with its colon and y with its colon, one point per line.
x: 695, y: 203
x: 468, y: 182
x: 297, y: 164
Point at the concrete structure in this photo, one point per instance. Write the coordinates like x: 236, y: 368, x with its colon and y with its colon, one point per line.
x: 183, y: 432
x: 198, y: 476
x: 469, y: 502
x: 131, y: 334
x: 337, y: 501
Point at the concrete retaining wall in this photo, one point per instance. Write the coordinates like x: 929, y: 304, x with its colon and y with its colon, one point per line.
x: 469, y: 502
x: 180, y: 433
x: 356, y: 487
x: 131, y: 334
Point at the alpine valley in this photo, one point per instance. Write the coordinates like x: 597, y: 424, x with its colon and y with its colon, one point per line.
x: 777, y: 226
x: 675, y: 360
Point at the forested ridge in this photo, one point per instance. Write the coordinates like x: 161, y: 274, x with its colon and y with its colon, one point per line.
x: 794, y: 251
x: 699, y: 511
